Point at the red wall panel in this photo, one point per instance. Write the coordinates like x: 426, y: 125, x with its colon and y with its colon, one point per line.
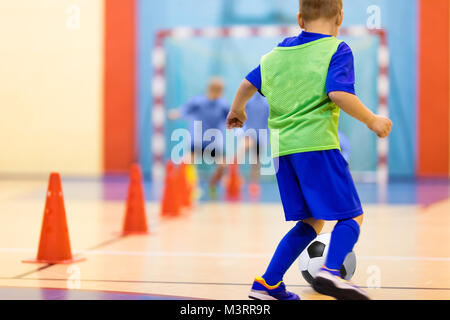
x: 434, y: 98
x: 119, y: 85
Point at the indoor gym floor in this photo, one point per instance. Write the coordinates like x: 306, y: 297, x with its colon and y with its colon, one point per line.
x: 215, y: 251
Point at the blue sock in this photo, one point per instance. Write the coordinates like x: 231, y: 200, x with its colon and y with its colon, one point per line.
x: 343, y: 239
x: 290, y: 247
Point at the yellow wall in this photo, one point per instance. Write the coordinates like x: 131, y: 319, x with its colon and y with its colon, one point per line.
x: 51, y: 86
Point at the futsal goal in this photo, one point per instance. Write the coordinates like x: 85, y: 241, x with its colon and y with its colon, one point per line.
x: 185, y: 58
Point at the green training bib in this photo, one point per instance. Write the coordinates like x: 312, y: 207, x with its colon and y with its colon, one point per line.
x: 302, y: 116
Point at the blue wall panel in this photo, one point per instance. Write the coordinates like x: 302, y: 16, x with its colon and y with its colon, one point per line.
x: 398, y: 17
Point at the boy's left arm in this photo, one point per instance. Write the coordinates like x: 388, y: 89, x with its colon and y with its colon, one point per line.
x: 237, y: 116
x: 351, y: 104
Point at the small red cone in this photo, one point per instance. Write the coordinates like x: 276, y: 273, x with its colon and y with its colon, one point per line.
x: 54, y: 243
x: 254, y: 190
x: 135, y: 217
x: 170, y: 204
x: 184, y: 187
x: 233, y: 183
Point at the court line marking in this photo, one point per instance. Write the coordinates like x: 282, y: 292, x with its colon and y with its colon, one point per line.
x: 20, y: 276
x: 212, y: 254
x: 215, y: 283
x: 126, y: 293
x: 48, y: 265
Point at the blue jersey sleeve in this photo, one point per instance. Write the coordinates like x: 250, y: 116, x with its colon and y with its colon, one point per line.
x: 341, y: 74
x: 254, y: 77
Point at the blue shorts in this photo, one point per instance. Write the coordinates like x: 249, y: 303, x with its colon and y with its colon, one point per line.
x: 317, y: 185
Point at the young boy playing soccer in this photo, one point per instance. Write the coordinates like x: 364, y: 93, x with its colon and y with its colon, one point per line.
x: 307, y: 80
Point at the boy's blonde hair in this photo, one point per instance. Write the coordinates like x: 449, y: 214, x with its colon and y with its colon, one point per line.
x: 316, y: 9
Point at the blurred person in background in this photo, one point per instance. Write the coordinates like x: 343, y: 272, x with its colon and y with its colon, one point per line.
x: 346, y: 147
x: 211, y: 111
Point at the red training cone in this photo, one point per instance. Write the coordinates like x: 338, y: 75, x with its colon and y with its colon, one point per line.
x: 135, y: 217
x: 170, y: 204
x: 54, y: 243
x: 233, y: 183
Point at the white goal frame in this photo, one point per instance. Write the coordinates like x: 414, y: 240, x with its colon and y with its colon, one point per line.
x: 159, y: 82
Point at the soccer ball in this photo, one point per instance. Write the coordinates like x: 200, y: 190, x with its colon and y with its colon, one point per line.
x: 314, y: 256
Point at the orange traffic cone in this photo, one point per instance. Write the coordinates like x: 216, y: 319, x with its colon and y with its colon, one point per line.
x: 135, y: 218
x: 233, y: 183
x: 184, y: 187
x: 170, y: 205
x: 54, y: 243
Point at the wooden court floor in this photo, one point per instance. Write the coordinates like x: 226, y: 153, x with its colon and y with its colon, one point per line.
x: 215, y: 251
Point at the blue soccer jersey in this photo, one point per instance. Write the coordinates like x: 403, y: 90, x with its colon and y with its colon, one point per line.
x: 211, y: 113
x: 257, y: 110
x: 341, y: 74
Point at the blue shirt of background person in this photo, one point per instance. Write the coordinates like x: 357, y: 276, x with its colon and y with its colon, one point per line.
x: 341, y: 74
x: 211, y: 110
x: 257, y: 110
x: 346, y: 147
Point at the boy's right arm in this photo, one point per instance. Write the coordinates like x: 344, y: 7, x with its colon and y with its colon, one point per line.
x: 354, y: 107
x: 237, y: 116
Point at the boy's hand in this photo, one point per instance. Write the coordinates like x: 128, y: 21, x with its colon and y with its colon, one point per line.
x: 235, y: 119
x: 381, y: 126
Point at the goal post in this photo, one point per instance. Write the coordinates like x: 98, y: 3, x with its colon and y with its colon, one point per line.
x: 378, y: 170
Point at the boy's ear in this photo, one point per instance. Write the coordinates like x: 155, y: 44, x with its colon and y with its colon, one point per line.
x: 340, y: 18
x: 300, y: 20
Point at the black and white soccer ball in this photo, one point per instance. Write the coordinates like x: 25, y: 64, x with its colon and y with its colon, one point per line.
x: 314, y: 256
